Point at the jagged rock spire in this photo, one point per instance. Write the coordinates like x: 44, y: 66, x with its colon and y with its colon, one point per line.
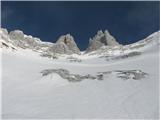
x: 101, y: 39
x: 65, y: 45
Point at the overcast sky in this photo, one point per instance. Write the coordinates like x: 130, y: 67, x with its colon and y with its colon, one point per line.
x: 128, y: 22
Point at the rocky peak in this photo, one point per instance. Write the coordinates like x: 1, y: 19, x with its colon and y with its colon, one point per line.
x: 69, y: 43
x: 101, y: 39
x: 16, y: 35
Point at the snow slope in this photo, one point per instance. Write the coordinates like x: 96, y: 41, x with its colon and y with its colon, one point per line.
x: 27, y: 94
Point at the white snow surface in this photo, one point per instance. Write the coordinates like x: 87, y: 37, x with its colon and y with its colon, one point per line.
x: 26, y: 94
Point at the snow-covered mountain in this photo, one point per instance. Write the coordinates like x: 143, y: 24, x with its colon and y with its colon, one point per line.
x: 102, y: 45
x: 18, y: 40
x: 139, y: 46
x: 111, y: 82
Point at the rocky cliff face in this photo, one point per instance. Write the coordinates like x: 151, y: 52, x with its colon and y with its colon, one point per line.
x: 101, y: 39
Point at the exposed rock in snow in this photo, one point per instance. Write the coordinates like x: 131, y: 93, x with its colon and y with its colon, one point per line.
x: 27, y: 41
x: 101, y: 39
x: 67, y: 44
x: 122, y: 56
x: 102, y: 45
x: 64, y: 45
x: 73, y: 59
x: 131, y: 74
x: 16, y: 35
x: 4, y: 31
x: 5, y: 42
x: 17, y: 39
x: 123, y: 74
x: 60, y: 48
x: 65, y: 74
x: 124, y: 51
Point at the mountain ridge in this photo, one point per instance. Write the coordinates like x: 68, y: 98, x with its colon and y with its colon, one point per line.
x: 101, y: 43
